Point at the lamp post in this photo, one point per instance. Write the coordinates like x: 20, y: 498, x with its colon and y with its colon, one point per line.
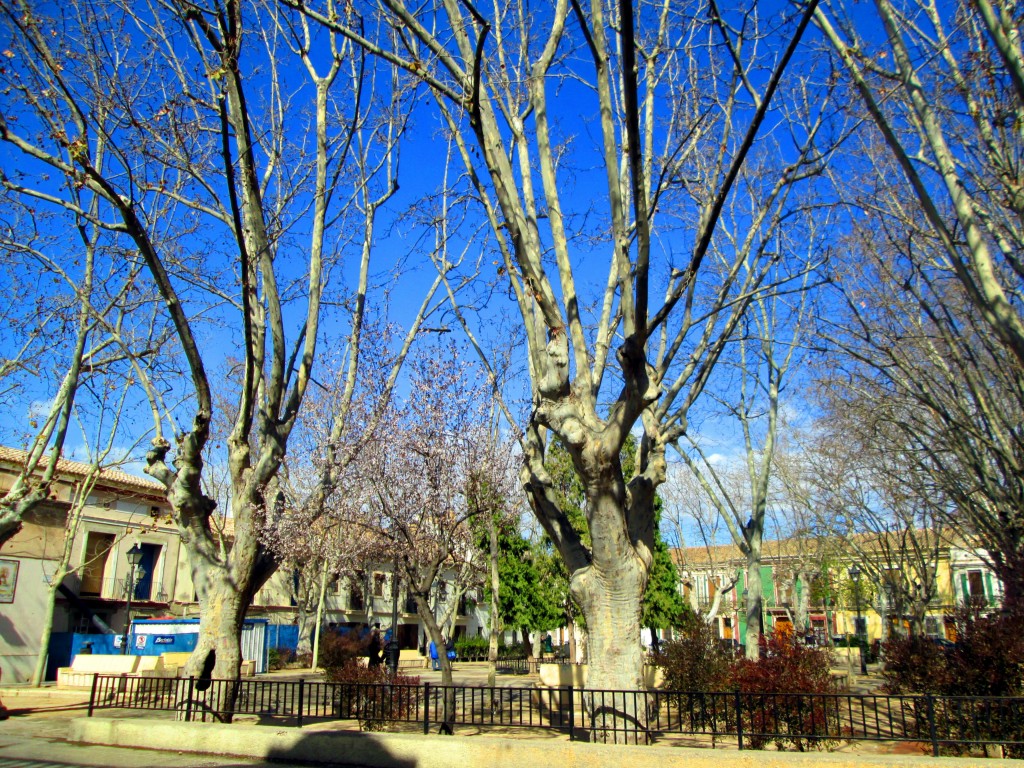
x: 854, y: 573
x: 134, y: 556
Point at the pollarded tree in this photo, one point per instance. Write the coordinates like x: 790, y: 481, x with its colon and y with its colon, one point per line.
x: 678, y: 95
x: 765, y: 349
x: 224, y: 193
x: 939, y: 401
x: 944, y: 88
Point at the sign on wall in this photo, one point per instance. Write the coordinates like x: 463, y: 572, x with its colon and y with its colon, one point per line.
x: 8, y: 580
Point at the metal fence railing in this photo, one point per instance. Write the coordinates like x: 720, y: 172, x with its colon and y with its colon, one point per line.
x: 748, y: 720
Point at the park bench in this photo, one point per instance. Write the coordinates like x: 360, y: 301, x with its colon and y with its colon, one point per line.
x: 85, y: 666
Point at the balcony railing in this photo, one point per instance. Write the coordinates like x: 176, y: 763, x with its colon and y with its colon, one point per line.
x: 117, y: 589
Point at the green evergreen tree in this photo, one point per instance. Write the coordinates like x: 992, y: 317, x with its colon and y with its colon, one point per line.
x: 526, y: 599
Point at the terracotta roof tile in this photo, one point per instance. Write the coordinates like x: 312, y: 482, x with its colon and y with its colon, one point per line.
x: 78, y: 468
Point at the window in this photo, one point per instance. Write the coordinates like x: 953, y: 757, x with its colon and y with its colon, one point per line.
x: 355, y: 598
x: 97, y: 550
x: 379, y: 580
x: 975, y: 584
x: 931, y: 626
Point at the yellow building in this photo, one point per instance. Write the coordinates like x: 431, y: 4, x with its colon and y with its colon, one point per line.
x: 808, y: 585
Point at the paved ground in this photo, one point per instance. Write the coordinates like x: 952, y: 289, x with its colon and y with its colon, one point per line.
x: 35, y: 735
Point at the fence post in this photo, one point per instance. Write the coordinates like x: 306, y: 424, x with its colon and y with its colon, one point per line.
x: 572, y: 715
x: 301, y: 681
x: 188, y: 701
x: 426, y: 708
x: 739, y: 719
x: 92, y: 693
x: 929, y: 702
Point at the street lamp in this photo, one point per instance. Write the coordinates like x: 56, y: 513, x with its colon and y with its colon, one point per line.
x: 134, y: 556
x: 854, y: 573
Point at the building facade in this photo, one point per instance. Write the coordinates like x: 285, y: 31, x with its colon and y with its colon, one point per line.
x: 122, y: 512
x: 810, y: 594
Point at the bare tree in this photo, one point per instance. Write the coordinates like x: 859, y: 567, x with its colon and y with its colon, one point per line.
x: 933, y: 400
x: 766, y: 347
x: 106, y: 405
x: 944, y: 86
x: 602, y: 363
x: 94, y: 320
x: 688, y: 506
x: 227, y: 195
x: 855, y: 488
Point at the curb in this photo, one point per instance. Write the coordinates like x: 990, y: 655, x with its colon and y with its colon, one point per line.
x: 390, y: 750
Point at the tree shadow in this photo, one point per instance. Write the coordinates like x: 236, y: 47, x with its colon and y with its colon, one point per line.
x: 354, y: 748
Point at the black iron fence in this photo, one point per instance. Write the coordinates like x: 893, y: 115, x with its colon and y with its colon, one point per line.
x: 748, y: 720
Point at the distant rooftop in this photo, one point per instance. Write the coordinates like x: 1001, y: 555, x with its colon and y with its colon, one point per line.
x: 66, y: 467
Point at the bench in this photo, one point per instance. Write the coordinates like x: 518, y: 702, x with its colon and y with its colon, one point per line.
x: 840, y: 678
x: 85, y: 666
x: 410, y: 658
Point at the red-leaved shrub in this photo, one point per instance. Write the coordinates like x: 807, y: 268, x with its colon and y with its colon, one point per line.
x: 372, y: 695
x: 781, y: 694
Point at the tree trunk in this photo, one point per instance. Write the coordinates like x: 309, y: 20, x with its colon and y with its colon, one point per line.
x: 1010, y: 570
x: 752, y: 637
x: 573, y: 650
x: 218, y: 651
x: 610, y: 600
x: 318, y: 624
x: 803, y: 603
x: 434, y: 634
x: 44, y: 636
x: 492, y: 643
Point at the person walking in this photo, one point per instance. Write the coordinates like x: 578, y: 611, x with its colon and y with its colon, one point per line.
x: 435, y: 663
x: 375, y: 646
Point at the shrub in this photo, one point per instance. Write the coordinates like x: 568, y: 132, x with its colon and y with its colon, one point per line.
x: 471, y: 648
x: 914, y: 664
x: 372, y: 695
x: 279, y: 658
x: 514, y: 651
x: 786, y: 667
x: 988, y: 657
x: 986, y: 660
x: 336, y: 649
x: 696, y: 661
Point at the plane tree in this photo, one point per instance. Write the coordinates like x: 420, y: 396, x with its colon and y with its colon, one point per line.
x: 675, y: 96
x: 219, y: 163
x: 942, y: 88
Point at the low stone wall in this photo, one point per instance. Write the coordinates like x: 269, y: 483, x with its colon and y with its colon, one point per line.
x: 388, y: 750
x: 561, y: 675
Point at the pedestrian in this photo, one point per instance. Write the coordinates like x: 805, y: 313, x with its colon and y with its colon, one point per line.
x: 375, y: 646
x: 435, y: 663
